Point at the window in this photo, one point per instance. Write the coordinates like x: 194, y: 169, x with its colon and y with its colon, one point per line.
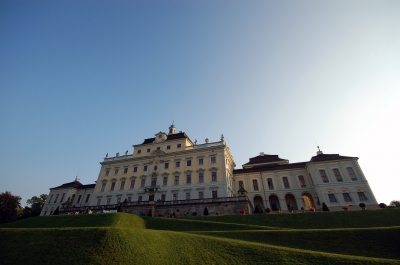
x: 201, y: 195
x: 178, y: 145
x: 134, y: 169
x: 201, y: 177
x: 351, y: 173
x: 188, y: 179
x: 165, y: 181
x: 103, y: 186
x: 176, y: 180
x: 286, y: 183
x: 144, y: 168
x: 107, y: 172
x: 158, y: 148
x: 119, y: 200
x: 125, y: 170
x: 142, y: 183
x: 361, y: 196
x: 154, y: 182
x: 168, y: 147
x: 62, y: 197
x: 323, y: 176
x: 45, y: 212
x: 155, y: 168
x: 346, y: 197
x: 201, y: 161
x: 112, y: 186
x: 177, y: 164
x: 214, y: 194
x: 332, y: 198
x: 51, y: 197
x: 166, y: 165
x: 213, y: 176
x: 139, y: 151
x: 336, y: 172
x: 213, y: 160
x: 148, y: 150
x: 163, y: 197
x: 73, y: 198
x: 188, y: 163
x: 132, y: 184
x: 270, y: 183
x: 79, y: 198
x: 140, y: 198
x: 175, y: 196
x: 98, y: 201
x: 116, y: 171
x: 122, y: 185
x: 108, y: 201
x: 129, y: 199
x: 255, y: 185
x: 55, y: 201
x: 302, y: 181
x: 187, y: 195
x: 240, y: 183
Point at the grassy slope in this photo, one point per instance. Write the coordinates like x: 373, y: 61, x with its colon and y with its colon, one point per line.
x: 120, y: 238
x: 323, y: 220
x: 140, y: 246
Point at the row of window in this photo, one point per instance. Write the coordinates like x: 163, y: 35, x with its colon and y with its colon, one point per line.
x: 148, y: 150
x: 188, y: 196
x: 302, y: 180
x: 164, y: 181
x: 337, y: 174
x: 347, y: 197
x: 213, y: 160
x: 72, y: 198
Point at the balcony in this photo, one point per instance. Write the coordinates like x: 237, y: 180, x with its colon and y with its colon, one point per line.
x: 152, y: 188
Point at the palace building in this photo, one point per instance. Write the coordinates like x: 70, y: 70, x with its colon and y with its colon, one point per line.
x: 170, y: 172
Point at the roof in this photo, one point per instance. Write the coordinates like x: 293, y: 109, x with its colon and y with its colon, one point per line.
x: 328, y: 157
x: 270, y: 167
x: 263, y: 160
x: 169, y: 138
x: 75, y: 184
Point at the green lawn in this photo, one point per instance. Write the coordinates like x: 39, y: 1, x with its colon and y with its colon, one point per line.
x: 119, y: 238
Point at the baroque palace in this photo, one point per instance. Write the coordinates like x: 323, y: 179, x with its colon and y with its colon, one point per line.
x: 170, y: 173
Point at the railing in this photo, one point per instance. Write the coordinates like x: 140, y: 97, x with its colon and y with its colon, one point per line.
x: 198, y: 146
x: 118, y: 157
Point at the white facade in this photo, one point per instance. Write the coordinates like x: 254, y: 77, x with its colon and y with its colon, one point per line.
x: 170, y: 167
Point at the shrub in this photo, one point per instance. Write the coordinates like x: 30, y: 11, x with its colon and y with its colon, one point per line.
x: 312, y: 209
x: 205, y: 211
x: 120, y: 208
x: 160, y: 215
x: 243, y: 211
x: 325, y: 207
x: 217, y: 213
x: 268, y: 210
x: 195, y: 213
x: 346, y: 208
x: 382, y: 205
x: 362, y: 205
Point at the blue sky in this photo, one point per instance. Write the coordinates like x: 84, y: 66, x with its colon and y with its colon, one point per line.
x: 80, y: 79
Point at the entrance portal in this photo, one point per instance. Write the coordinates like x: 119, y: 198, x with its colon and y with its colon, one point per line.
x: 291, y: 202
x: 258, y: 204
x: 274, y: 202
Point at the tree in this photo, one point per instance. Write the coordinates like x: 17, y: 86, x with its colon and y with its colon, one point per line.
x: 35, y: 205
x: 395, y: 203
x: 120, y: 208
x: 205, y: 211
x: 9, y: 205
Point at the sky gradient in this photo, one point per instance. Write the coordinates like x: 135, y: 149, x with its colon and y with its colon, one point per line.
x: 80, y: 79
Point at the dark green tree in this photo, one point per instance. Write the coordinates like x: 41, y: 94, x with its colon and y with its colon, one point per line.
x: 205, y: 211
x: 9, y: 205
x: 258, y: 209
x: 35, y: 205
x: 325, y: 207
x: 395, y: 203
x: 57, y: 211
